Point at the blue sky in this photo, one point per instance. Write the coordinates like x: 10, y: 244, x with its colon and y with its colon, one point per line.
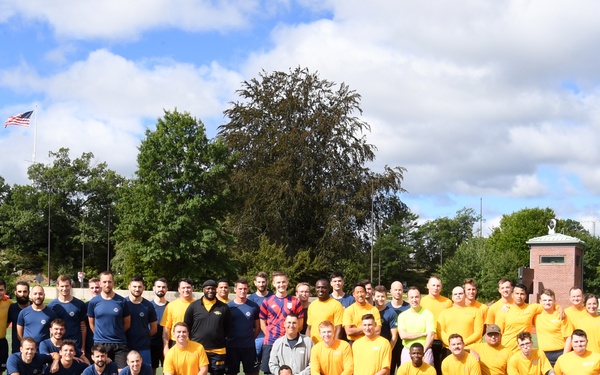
x: 492, y: 100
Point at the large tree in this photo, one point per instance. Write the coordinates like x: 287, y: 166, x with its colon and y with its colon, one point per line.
x: 73, y: 197
x: 172, y: 215
x: 301, y: 173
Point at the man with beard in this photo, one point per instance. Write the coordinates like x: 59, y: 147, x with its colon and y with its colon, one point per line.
x: 208, y: 319
x: 243, y: 329
x: 109, y: 317
x: 159, y: 302
x: 175, y: 311
x: 22, y: 296
x: 101, y: 366
x: 143, y: 320
x: 28, y: 362
x: 459, y: 362
x: 135, y: 365
x: 260, y: 282
x: 416, y: 366
x: 94, y: 289
x: 72, y: 311
x: 68, y: 364
x: 34, y: 321
x: 324, y: 308
x: 54, y: 343
x: 185, y: 357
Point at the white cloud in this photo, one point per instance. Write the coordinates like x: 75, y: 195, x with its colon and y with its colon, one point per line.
x: 126, y: 20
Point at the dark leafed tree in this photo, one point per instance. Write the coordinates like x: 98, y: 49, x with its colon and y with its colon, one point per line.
x: 172, y: 215
x: 301, y: 172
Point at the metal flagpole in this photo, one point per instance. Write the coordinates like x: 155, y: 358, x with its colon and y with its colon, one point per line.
x: 34, y: 134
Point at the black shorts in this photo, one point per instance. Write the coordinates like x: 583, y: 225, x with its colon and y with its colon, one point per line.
x: 248, y: 358
x: 158, y: 355
x: 116, y: 352
x: 3, y: 354
x: 216, y: 363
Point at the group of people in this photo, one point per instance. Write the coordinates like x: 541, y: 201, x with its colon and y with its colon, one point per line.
x: 337, y: 333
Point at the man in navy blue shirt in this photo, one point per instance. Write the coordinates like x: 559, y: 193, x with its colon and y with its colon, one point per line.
x: 28, y: 362
x: 34, y: 321
x: 143, y: 316
x: 68, y: 364
x: 136, y: 365
x: 244, y: 326
x: 22, y: 296
x: 100, y: 365
x: 72, y: 310
x: 109, y: 318
x: 159, y: 302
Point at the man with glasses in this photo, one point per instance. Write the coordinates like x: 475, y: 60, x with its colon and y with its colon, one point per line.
x: 528, y: 361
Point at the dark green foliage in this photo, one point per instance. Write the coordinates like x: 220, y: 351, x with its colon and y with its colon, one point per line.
x: 172, y: 214
x: 301, y: 175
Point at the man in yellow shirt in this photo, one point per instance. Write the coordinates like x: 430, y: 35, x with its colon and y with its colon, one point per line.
x: 580, y: 361
x: 324, y: 308
x: 493, y: 356
x: 505, y: 288
x: 4, y: 306
x: 459, y: 362
x: 330, y: 356
x: 577, y: 310
x: 528, y: 361
x: 470, y: 287
x: 416, y: 366
x: 175, y: 311
x: 460, y: 318
x: 435, y: 303
x: 372, y: 353
x: 353, y: 314
x: 518, y: 318
x: 186, y: 357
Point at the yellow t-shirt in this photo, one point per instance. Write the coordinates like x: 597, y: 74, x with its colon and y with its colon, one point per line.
x: 552, y: 331
x: 334, y: 360
x: 483, y: 308
x: 575, y: 314
x: 408, y: 369
x: 318, y: 312
x: 435, y: 305
x: 4, y: 305
x: 538, y: 364
x: 493, y: 360
x: 371, y: 356
x: 571, y: 363
x: 467, y: 365
x: 186, y: 361
x: 353, y: 316
x: 493, y: 311
x: 466, y: 321
x: 174, y: 313
x: 591, y: 326
x: 416, y: 322
x: 517, y: 319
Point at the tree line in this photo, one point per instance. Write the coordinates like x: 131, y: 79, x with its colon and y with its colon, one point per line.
x: 283, y: 186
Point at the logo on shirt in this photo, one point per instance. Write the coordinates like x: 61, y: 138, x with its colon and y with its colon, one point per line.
x: 141, y: 314
x: 72, y: 313
x: 248, y: 313
x: 43, y: 321
x: 289, y: 305
x: 116, y: 309
x: 217, y: 313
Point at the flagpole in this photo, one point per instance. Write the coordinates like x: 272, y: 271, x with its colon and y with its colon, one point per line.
x: 34, y: 134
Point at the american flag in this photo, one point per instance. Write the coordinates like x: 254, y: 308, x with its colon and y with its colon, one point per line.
x: 19, y: 120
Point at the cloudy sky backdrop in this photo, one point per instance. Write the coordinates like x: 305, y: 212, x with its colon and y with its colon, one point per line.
x: 496, y: 100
